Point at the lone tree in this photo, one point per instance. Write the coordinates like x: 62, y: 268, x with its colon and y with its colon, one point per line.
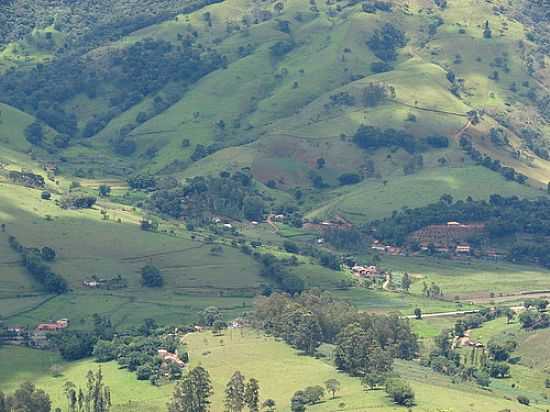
x: 332, y: 386
x: 298, y: 402
x: 252, y: 395
x: 269, y: 405
x: 151, y: 276
x: 235, y: 393
x: 400, y: 392
x: 314, y: 394
x: 104, y: 190
x: 406, y: 282
x: 487, y: 33
x: 192, y: 393
x: 510, y: 314
x: 47, y: 254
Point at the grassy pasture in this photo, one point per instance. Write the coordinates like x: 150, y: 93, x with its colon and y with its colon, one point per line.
x: 378, y: 301
x: 470, y: 280
x: 372, y: 199
x: 279, y: 369
x: 20, y: 364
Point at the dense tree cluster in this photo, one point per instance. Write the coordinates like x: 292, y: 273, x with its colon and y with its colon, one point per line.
x: 95, y: 396
x: 139, y: 354
x: 240, y: 394
x: 534, y: 320
x: 480, y: 364
x: 151, y: 276
x: 77, y: 201
x: 27, y: 179
x: 345, y: 238
x: 88, y: 24
x: 193, y: 392
x: 314, y: 317
x: 277, y: 270
x: 201, y: 198
x: 385, y: 42
x: 371, y: 6
x: 372, y: 138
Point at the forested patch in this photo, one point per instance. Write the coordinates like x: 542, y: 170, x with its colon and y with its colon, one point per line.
x: 134, y: 72
x: 27, y: 179
x: 504, y: 216
x: 199, y: 199
x: 372, y: 138
x: 364, y: 343
x: 140, y: 354
x: 480, y: 364
x: 385, y: 42
x: 88, y: 23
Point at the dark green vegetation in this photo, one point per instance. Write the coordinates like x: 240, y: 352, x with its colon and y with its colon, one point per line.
x: 523, y: 223
x: 168, y: 163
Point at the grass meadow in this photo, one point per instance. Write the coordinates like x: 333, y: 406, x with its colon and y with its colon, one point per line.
x: 372, y: 199
x: 280, y: 370
x: 470, y: 280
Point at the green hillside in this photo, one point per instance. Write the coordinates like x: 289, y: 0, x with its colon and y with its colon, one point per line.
x: 162, y: 161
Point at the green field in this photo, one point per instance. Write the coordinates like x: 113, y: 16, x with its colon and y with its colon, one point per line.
x: 283, y: 100
x: 471, y: 280
x: 373, y: 199
x: 279, y: 369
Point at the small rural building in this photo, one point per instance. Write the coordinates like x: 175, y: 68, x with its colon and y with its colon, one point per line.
x: 366, y: 271
x: 463, y: 250
x: 170, y: 357
x: 53, y: 326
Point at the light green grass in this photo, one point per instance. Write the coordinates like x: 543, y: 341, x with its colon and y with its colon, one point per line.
x: 279, y: 369
x: 471, y: 279
x: 381, y: 301
x: 372, y: 199
x: 128, y: 394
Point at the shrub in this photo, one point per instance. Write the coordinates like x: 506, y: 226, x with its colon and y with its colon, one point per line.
x: 151, y: 277
x: 400, y: 392
x: 524, y: 400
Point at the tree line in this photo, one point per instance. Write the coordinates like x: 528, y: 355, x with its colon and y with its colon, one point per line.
x: 33, y: 260
x: 373, y: 138
x: 485, y: 160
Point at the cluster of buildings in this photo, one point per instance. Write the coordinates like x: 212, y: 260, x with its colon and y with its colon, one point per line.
x: 370, y: 272
x: 450, y: 238
x: 38, y: 338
